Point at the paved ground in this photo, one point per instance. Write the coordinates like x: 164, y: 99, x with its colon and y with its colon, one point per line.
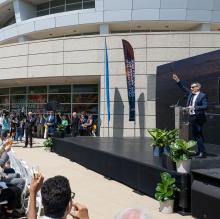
x: 103, y: 197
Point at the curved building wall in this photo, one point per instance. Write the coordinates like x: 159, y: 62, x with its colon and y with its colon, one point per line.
x: 123, y: 15
x: 81, y: 60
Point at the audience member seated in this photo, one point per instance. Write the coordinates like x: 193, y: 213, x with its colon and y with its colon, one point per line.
x: 56, y: 199
x: 12, y: 198
x: 6, y: 147
x: 12, y: 179
x: 133, y: 213
x: 7, y: 168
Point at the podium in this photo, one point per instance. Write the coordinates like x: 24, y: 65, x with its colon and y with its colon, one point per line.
x: 182, y: 122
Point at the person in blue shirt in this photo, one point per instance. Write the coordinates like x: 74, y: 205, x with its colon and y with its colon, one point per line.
x: 51, y: 123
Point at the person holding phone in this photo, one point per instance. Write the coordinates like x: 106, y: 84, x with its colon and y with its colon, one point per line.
x: 57, y: 199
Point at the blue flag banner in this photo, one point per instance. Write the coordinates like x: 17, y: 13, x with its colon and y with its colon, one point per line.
x: 130, y: 75
x: 107, y: 83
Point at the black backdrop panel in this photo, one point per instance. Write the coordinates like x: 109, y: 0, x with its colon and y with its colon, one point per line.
x: 206, y: 193
x: 125, y: 160
x: 204, y: 69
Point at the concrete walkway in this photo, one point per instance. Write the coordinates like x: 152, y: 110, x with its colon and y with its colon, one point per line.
x: 103, y: 197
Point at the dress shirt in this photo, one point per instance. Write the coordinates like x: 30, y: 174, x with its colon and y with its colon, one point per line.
x: 192, y: 111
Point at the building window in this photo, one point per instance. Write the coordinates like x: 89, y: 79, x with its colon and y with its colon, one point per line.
x: 18, y: 90
x: 57, y: 6
x: 4, y: 100
x: 56, y: 3
x: 88, y: 4
x: 60, y: 89
x: 77, y: 97
x: 37, y: 90
x: 4, y: 91
x: 58, y: 9
x: 43, y: 13
x: 73, y: 7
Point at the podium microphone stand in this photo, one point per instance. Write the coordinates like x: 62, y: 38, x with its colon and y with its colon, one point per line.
x: 182, y: 124
x: 182, y: 121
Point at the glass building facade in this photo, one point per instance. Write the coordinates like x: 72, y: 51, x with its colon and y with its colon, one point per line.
x: 57, y: 6
x: 72, y: 98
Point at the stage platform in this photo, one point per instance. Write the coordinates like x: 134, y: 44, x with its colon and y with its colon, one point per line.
x: 130, y: 161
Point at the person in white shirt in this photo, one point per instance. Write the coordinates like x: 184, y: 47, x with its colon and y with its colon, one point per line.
x: 56, y: 199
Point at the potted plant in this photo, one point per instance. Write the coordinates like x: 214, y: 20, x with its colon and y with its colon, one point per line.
x: 165, y: 192
x: 171, y: 136
x: 181, y: 152
x: 162, y: 138
x: 48, y: 144
x: 60, y: 131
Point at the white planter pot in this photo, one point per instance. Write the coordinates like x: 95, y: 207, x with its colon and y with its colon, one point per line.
x: 183, y: 166
x: 166, y: 207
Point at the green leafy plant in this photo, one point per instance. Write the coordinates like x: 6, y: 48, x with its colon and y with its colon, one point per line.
x: 163, y: 137
x: 48, y: 143
x: 171, y: 136
x: 167, y: 188
x: 182, y: 150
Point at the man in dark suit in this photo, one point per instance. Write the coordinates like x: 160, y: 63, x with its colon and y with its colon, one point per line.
x: 75, y: 125
x: 29, y: 125
x: 197, y: 103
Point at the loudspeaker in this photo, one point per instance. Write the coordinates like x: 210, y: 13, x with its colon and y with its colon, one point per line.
x: 184, y: 196
x: 52, y: 106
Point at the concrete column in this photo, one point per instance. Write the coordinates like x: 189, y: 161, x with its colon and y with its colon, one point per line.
x: 104, y: 29
x: 204, y: 27
x: 17, y: 12
x: 22, y: 39
x: 24, y: 10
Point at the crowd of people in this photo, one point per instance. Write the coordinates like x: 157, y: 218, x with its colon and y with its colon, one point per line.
x: 40, y: 125
x: 11, y: 184
x: 56, y: 194
x: 13, y: 127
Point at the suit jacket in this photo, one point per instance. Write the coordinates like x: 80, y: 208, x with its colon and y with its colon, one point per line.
x: 75, y: 123
x: 30, y: 122
x: 201, y: 103
x: 51, y: 119
x: 40, y: 121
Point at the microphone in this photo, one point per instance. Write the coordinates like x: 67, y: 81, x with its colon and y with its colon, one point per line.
x: 178, y: 101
